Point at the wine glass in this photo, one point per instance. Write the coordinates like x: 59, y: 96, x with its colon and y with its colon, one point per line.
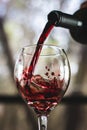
x: 44, y: 88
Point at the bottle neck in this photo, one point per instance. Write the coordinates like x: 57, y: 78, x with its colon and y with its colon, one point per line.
x: 60, y: 19
x: 76, y: 23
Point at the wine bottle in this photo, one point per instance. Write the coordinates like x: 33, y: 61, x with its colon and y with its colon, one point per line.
x: 76, y: 23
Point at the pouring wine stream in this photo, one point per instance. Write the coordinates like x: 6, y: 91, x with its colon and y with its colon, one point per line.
x: 39, y: 46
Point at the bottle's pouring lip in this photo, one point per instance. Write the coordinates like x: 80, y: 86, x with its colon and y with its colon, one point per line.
x: 54, y: 17
x: 58, y: 18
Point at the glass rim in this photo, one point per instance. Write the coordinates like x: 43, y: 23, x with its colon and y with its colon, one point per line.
x: 47, y: 54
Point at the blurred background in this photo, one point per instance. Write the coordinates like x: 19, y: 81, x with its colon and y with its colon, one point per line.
x: 21, y: 23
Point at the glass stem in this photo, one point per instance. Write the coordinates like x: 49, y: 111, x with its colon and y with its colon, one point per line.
x: 42, y: 122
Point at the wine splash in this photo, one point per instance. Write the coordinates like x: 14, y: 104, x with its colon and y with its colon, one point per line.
x: 43, y: 95
x: 39, y: 46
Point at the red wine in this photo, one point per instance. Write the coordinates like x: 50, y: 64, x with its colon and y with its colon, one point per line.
x: 42, y: 94
x: 39, y: 46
